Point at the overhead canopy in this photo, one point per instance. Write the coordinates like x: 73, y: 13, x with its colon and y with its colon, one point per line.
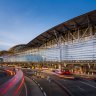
x: 17, y: 48
x: 5, y: 53
x: 80, y: 22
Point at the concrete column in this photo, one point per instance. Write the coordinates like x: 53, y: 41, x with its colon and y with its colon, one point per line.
x: 60, y: 67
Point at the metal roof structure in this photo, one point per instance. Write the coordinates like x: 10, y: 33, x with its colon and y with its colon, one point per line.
x: 72, y: 25
x: 80, y: 22
x: 5, y: 53
x: 17, y: 48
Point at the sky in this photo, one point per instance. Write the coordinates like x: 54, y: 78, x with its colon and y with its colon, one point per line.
x: 23, y: 20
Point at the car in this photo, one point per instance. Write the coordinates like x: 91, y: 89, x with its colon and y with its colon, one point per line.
x: 63, y: 72
x: 59, y: 72
x: 66, y: 72
x: 45, y: 68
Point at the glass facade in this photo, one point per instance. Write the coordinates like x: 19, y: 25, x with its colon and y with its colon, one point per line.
x: 78, y: 50
x: 82, y: 50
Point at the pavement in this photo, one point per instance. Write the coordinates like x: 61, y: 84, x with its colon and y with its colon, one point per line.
x: 4, y: 77
x: 32, y: 88
x: 50, y: 88
x: 83, y: 87
x: 83, y: 76
x: 86, y: 76
x: 61, y: 86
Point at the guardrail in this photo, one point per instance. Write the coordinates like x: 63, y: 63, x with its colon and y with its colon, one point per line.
x: 13, y: 86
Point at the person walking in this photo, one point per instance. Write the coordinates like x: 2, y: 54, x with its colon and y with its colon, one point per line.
x: 49, y: 79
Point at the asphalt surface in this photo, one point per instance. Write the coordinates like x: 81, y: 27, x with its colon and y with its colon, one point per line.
x: 75, y: 87
x: 24, y: 91
x: 4, y: 77
x: 31, y: 88
x: 81, y: 87
x: 50, y: 88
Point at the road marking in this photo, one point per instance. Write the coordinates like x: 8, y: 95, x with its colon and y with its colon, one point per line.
x: 81, y: 88
x: 44, y: 94
x: 25, y: 88
x: 38, y: 84
x: 88, y: 84
x: 35, y: 81
x: 41, y: 88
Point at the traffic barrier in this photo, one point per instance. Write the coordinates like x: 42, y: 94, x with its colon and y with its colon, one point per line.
x: 13, y: 86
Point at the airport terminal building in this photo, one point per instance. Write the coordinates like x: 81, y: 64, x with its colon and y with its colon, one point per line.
x: 71, y: 42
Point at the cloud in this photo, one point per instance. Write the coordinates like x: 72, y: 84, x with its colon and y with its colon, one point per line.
x: 9, y: 35
x: 2, y: 43
x: 6, y: 45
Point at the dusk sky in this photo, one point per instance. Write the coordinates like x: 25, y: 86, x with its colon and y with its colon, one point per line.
x: 23, y: 20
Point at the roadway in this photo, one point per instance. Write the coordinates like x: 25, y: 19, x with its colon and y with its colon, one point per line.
x: 38, y: 85
x: 46, y: 88
x: 11, y: 83
x: 50, y: 88
x: 4, y: 77
x: 78, y: 87
x: 31, y: 88
x: 61, y: 87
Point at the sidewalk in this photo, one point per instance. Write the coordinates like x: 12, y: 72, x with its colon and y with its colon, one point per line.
x: 88, y: 76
